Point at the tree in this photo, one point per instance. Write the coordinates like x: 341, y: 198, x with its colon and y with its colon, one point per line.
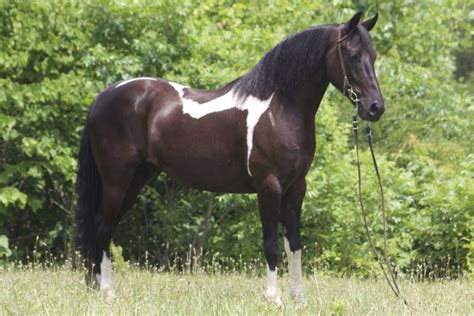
x: 56, y: 57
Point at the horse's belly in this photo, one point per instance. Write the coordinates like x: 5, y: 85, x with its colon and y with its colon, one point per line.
x: 209, y: 153
x: 217, y: 178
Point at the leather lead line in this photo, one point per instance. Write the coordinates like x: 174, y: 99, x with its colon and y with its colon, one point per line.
x: 382, y: 200
x: 391, y: 281
x: 348, y: 91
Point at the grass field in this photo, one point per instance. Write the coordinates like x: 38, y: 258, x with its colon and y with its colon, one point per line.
x: 142, y: 292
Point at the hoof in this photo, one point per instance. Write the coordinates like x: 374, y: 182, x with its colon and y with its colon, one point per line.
x: 273, y: 298
x: 297, y: 293
x: 110, y: 294
x: 92, y: 282
x: 300, y: 299
x: 106, y: 289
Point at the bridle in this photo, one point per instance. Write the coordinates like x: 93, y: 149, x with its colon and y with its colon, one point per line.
x: 348, y: 91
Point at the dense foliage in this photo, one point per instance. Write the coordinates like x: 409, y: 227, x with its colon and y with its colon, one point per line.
x: 56, y: 56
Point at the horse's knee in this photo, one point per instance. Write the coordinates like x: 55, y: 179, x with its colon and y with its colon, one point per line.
x: 104, y: 236
x: 104, y: 231
x: 272, y: 254
x: 294, y: 242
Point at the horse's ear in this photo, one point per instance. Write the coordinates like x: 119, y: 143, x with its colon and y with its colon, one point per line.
x: 369, y: 24
x: 354, y: 21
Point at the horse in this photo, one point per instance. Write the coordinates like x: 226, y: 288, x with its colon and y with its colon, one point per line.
x: 254, y: 135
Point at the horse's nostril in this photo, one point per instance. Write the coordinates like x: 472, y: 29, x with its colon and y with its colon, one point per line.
x: 373, y: 109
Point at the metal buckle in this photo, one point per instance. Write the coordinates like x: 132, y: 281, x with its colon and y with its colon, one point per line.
x: 353, y: 95
x: 368, y: 130
x: 355, y: 122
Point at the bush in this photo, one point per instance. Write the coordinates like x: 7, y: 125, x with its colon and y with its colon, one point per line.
x: 57, y: 57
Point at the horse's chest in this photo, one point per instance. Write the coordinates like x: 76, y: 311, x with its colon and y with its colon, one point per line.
x: 283, y: 145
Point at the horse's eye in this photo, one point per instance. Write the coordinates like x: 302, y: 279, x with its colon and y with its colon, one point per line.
x: 352, y: 53
x: 354, y: 57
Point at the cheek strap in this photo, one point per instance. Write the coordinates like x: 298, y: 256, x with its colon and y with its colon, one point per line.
x: 347, y: 89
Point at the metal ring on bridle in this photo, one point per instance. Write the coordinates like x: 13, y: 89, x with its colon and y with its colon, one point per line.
x: 355, y: 101
x: 353, y: 95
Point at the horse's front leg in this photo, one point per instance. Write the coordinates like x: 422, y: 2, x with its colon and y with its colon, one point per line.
x: 269, y: 199
x: 290, y: 218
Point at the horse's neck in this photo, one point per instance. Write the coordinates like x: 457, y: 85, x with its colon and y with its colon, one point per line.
x: 307, y: 98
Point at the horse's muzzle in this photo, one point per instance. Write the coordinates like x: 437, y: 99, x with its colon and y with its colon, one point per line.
x: 372, y: 112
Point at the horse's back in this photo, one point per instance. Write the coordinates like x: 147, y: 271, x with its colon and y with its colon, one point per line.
x: 142, y: 121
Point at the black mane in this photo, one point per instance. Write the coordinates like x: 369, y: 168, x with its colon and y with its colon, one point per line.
x: 287, y: 64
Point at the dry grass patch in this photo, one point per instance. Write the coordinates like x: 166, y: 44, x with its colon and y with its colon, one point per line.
x: 143, y: 292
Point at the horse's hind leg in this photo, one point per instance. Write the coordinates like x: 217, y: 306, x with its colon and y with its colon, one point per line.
x: 290, y: 217
x: 115, y: 184
x: 120, y: 191
x: 143, y: 174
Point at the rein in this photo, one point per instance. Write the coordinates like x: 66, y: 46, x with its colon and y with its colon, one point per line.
x: 352, y: 95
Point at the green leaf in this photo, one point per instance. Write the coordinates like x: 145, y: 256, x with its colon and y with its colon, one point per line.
x: 12, y: 196
x: 4, y: 249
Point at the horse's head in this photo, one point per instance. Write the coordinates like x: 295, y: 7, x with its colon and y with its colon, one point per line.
x: 350, y: 66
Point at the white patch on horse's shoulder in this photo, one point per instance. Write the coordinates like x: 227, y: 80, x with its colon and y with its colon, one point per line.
x: 253, y: 105
x: 134, y: 79
x: 255, y: 108
x: 105, y: 273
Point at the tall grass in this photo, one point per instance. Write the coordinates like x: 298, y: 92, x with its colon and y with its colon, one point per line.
x: 58, y: 290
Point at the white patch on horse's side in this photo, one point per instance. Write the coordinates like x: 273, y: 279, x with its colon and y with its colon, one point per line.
x: 105, y: 277
x: 134, y: 79
x: 271, y: 293
x: 294, y: 270
x: 254, y: 107
x: 179, y: 88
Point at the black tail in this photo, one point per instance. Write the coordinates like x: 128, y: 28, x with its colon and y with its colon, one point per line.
x: 89, y: 192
